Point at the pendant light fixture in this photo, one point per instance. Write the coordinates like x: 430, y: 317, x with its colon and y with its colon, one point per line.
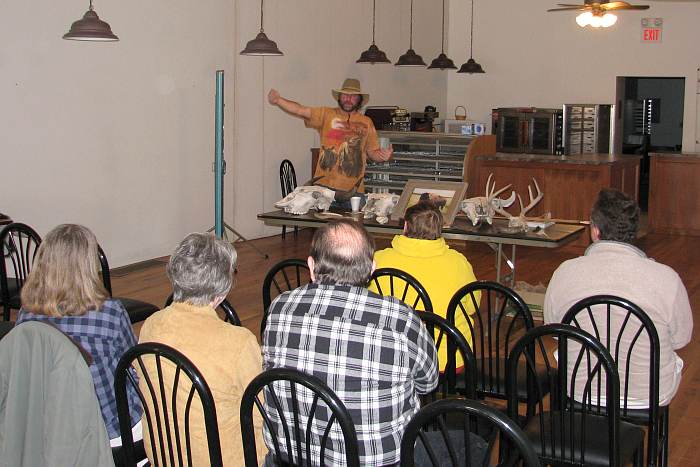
x: 410, y: 58
x: 442, y: 62
x: 261, y: 45
x: 90, y: 28
x: 471, y: 66
x: 373, y: 55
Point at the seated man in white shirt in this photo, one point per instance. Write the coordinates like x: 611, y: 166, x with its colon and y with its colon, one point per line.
x: 613, y: 266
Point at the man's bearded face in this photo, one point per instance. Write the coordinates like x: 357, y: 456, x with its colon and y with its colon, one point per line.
x: 349, y: 102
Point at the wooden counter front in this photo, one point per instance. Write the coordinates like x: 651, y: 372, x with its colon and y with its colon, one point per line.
x: 674, y: 194
x: 570, y: 183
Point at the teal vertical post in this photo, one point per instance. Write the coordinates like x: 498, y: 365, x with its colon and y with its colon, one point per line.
x: 219, y: 164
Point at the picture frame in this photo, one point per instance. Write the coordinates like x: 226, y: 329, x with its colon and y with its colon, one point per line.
x: 452, y: 192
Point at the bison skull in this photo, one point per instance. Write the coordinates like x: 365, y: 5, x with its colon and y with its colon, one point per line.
x: 304, y: 198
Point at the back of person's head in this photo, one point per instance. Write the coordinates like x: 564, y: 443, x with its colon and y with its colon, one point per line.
x: 423, y: 221
x: 343, y: 253
x: 616, y: 216
x: 201, y: 269
x: 65, y: 278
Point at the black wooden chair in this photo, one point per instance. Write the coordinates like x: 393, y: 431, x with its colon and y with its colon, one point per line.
x: 469, y: 444
x: 402, y: 285
x: 283, y: 276
x: 596, y: 315
x: 288, y: 182
x: 500, y: 318
x: 230, y: 315
x: 574, y: 428
x: 18, y: 244
x: 166, y: 423
x: 303, y: 410
x: 137, y: 309
x: 446, y: 334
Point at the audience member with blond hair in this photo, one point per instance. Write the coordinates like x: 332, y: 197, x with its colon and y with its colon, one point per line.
x: 64, y: 289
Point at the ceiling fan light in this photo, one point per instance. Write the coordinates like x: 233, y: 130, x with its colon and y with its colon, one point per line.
x: 584, y: 19
x: 609, y: 19
x: 596, y: 21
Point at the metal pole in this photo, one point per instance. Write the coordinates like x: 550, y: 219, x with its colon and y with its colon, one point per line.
x: 219, y: 163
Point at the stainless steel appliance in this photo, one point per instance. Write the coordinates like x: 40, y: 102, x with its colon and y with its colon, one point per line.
x: 588, y: 128
x: 528, y: 130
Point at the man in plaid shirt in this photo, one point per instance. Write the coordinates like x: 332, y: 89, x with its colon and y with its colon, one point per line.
x: 372, y: 351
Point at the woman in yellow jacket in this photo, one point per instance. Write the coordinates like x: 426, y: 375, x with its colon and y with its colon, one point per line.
x: 423, y: 253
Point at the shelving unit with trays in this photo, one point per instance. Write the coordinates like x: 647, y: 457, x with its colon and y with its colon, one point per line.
x: 587, y: 128
x: 426, y: 156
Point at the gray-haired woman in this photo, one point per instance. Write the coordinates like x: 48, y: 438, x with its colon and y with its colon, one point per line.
x: 201, y: 272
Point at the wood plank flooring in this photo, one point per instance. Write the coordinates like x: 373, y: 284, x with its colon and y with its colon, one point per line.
x: 534, y: 265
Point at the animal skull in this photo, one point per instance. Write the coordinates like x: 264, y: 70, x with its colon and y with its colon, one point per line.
x: 304, y: 198
x: 483, y: 208
x: 520, y: 221
x: 380, y: 205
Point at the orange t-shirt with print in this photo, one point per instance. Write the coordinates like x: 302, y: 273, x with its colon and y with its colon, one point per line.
x: 344, y: 143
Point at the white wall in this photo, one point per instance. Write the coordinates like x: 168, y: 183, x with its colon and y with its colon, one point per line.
x: 321, y: 40
x: 119, y: 136
x: 116, y: 136
x: 536, y: 58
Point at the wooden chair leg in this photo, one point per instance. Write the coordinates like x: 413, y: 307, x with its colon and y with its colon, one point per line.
x: 296, y: 231
x: 284, y: 231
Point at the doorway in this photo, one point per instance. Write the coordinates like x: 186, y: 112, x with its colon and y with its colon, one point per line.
x: 650, y: 119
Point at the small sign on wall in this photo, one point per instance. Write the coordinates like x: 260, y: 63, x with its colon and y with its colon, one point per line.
x: 651, y: 29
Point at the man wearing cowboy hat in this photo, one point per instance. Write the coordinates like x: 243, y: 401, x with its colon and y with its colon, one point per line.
x: 347, y: 136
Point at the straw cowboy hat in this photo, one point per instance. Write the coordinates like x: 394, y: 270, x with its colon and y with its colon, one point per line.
x: 351, y: 86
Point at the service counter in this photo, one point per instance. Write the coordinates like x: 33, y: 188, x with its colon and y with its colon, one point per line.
x: 570, y: 183
x: 674, y: 193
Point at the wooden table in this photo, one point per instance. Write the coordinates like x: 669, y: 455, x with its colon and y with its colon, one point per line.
x: 496, y: 235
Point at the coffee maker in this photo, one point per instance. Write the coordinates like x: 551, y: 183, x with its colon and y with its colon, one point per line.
x: 423, y: 121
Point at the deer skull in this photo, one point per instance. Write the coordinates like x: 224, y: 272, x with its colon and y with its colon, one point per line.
x: 380, y: 205
x: 304, y: 198
x: 520, y: 221
x: 483, y: 208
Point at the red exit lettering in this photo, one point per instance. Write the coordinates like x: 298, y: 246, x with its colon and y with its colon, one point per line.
x: 651, y: 35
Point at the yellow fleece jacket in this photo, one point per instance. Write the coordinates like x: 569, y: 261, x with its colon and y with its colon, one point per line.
x: 441, y: 270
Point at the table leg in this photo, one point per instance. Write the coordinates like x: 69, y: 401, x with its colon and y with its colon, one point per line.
x: 510, y: 262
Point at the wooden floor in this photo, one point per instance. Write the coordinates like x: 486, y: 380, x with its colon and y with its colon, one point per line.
x: 534, y: 265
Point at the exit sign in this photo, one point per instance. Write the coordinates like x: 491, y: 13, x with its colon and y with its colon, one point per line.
x: 651, y: 29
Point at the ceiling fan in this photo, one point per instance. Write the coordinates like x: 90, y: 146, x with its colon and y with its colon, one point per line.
x: 598, y: 13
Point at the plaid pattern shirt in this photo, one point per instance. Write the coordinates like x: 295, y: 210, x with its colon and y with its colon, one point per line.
x: 106, y: 334
x: 372, y: 351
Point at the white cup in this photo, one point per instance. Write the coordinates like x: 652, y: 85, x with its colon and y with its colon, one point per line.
x: 384, y: 143
x: 355, y: 203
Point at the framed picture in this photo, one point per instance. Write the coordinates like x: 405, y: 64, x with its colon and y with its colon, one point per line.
x: 447, y: 195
